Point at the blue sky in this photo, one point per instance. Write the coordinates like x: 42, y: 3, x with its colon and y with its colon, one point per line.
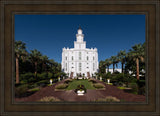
x: 108, y: 33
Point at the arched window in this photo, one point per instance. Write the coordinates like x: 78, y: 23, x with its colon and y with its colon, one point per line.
x: 80, y: 66
x: 72, y: 58
x: 93, y: 57
x: 66, y: 66
x: 93, y: 67
x: 66, y: 57
x: 79, y: 55
x: 87, y: 58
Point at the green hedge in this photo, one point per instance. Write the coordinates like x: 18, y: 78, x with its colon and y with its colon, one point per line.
x: 43, y: 83
x: 50, y: 75
x: 68, y: 81
x: 49, y: 99
x: 21, y: 90
x: 61, y: 86
x: 92, y: 80
x: 98, y: 85
x: 42, y: 76
x: 108, y: 99
x: 134, y: 87
x: 30, y: 77
x: 27, y: 78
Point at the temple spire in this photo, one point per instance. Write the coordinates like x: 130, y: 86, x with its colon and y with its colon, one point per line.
x: 79, y: 35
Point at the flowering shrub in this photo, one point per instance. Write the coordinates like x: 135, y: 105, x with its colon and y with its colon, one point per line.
x: 108, y: 99
x: 92, y: 80
x: 68, y: 81
x: 98, y: 85
x: 21, y: 90
x: 49, y: 99
x: 61, y: 86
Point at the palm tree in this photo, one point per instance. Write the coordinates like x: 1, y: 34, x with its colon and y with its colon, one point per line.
x: 122, y: 58
x: 114, y: 61
x: 58, y: 67
x: 108, y: 63
x: 102, y: 67
x: 44, y: 60
x: 137, y: 53
x: 51, y: 64
x: 35, y: 58
x: 20, y: 51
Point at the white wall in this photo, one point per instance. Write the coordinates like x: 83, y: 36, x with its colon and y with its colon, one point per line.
x: 84, y: 62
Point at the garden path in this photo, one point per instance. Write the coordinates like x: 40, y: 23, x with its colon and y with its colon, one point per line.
x: 91, y: 95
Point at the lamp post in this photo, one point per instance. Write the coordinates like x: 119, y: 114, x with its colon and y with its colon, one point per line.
x: 100, y: 78
x: 108, y: 80
x: 51, y: 81
x: 59, y: 79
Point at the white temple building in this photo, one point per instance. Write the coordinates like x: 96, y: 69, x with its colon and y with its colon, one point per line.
x: 79, y: 60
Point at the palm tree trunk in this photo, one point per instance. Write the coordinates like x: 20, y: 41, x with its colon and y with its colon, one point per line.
x: 17, y: 70
x: 137, y: 67
x: 113, y: 67
x: 122, y: 67
x: 108, y: 68
x: 35, y: 69
x: 43, y: 67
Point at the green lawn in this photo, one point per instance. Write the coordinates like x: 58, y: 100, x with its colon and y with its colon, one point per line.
x: 109, y: 83
x: 34, y: 89
x: 121, y: 87
x: 73, y: 85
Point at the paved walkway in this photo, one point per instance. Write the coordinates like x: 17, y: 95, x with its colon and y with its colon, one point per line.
x: 91, y: 95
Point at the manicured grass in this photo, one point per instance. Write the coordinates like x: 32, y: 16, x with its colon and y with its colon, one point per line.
x: 129, y: 91
x: 50, y: 84
x: 34, y: 89
x: 109, y: 83
x: 73, y: 85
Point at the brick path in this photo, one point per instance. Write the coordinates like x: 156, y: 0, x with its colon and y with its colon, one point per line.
x: 91, y: 95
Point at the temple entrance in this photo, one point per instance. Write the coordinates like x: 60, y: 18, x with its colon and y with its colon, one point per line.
x: 71, y: 75
x: 79, y: 74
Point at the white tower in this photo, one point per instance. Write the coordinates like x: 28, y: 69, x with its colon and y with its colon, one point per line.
x: 79, y: 44
x: 80, y: 60
x: 80, y: 36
